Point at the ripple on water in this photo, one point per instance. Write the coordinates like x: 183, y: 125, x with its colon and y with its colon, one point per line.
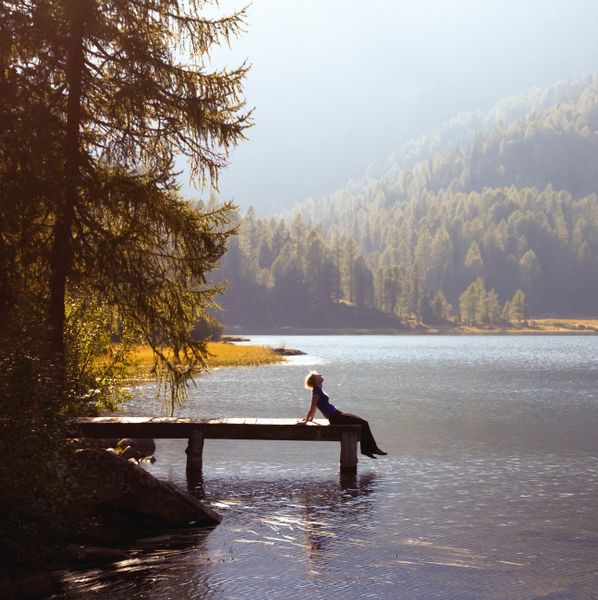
x: 489, y: 491
x: 457, y: 525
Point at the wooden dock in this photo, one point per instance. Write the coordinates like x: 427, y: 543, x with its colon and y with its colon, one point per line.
x: 198, y: 430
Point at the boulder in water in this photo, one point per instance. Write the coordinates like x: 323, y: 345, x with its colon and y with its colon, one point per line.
x: 111, y: 479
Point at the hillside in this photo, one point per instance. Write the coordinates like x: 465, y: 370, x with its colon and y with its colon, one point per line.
x: 504, y: 228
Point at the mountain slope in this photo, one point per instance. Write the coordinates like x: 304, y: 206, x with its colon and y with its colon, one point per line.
x: 516, y: 210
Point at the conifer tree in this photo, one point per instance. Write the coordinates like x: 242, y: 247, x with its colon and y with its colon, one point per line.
x: 472, y: 303
x: 349, y: 267
x: 530, y: 269
x: 505, y: 314
x: 479, y: 292
x: 518, y: 308
x: 441, y: 307
x: 390, y: 289
x: 492, y: 307
x: 119, y: 89
x: 473, y: 260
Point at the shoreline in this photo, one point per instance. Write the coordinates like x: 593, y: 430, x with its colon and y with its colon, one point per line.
x: 222, y: 354
x: 552, y: 326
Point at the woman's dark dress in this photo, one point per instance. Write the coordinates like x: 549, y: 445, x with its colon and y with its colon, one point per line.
x: 336, y: 417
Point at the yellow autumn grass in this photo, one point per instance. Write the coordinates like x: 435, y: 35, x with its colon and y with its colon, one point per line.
x: 532, y: 326
x: 557, y: 325
x: 220, y: 354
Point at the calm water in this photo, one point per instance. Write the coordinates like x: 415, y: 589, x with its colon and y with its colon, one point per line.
x: 490, y: 489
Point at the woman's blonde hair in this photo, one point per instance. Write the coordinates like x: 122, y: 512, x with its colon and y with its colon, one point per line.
x: 310, y: 380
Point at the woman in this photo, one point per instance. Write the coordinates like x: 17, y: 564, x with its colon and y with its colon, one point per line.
x: 319, y: 400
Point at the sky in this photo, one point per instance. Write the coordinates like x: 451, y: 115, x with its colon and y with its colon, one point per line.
x: 338, y: 85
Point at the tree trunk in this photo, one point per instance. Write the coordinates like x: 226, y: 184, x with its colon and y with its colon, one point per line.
x: 61, y: 256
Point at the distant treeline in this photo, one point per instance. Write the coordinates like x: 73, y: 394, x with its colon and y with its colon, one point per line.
x: 506, y: 228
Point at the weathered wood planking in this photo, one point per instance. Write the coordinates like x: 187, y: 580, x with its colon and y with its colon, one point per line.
x: 196, y: 430
x: 229, y: 428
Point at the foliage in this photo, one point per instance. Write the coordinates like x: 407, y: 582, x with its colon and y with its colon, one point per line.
x: 152, y: 269
x: 477, y: 306
x: 515, y: 309
x: 39, y: 510
x: 289, y: 275
x: 100, y: 96
x: 462, y: 130
x: 543, y: 242
x: 516, y: 207
x: 96, y: 385
x: 96, y: 246
x: 207, y: 327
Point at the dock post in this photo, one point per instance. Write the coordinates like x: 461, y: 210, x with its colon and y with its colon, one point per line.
x: 348, y: 452
x: 194, y: 452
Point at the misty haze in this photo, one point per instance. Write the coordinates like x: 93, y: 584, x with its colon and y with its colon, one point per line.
x: 339, y: 86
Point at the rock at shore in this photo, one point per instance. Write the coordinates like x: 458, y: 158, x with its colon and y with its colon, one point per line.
x: 288, y: 352
x: 137, y: 448
x: 117, y: 482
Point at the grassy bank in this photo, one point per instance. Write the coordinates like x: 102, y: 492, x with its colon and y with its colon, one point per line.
x: 221, y: 354
x: 554, y: 326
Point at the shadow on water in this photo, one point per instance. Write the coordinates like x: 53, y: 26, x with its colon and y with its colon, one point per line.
x: 148, y: 551
x: 298, y: 522
x: 195, y: 484
x: 350, y: 504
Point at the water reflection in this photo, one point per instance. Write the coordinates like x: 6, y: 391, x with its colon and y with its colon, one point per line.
x: 489, y: 491
x: 195, y: 484
x: 305, y: 524
x: 141, y: 573
x: 347, y: 505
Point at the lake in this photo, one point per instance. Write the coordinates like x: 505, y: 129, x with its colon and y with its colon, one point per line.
x: 490, y: 488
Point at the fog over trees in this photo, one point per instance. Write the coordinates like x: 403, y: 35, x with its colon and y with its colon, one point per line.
x: 403, y: 152
x: 339, y: 86
x: 495, y: 230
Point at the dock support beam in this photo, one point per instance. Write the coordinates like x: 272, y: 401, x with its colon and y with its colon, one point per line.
x: 349, y: 452
x: 194, y: 452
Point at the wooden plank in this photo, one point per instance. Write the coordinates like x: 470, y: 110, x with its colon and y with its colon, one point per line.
x: 218, y: 420
x: 245, y: 428
x: 128, y: 427
x: 229, y: 428
x: 274, y: 421
x: 277, y: 432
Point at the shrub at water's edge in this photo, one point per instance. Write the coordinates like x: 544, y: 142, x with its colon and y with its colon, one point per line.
x: 40, y: 511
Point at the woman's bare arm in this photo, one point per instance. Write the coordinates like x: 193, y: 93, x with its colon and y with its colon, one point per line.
x: 311, y: 413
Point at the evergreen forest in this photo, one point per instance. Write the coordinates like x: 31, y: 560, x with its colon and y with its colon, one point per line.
x: 492, y: 217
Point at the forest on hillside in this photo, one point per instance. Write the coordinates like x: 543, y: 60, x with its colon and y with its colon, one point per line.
x: 503, y: 229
